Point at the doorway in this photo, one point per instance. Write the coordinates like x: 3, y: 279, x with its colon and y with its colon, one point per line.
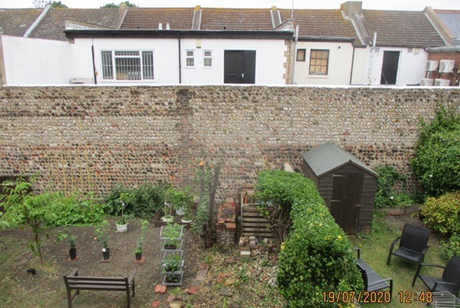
x: 389, y: 67
x: 240, y: 66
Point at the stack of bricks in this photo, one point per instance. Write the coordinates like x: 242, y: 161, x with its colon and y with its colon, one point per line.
x: 250, y: 245
x: 226, y: 222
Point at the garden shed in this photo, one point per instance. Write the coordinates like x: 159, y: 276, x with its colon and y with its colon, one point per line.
x: 346, y: 184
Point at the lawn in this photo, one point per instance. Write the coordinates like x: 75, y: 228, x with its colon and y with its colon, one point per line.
x: 374, y: 251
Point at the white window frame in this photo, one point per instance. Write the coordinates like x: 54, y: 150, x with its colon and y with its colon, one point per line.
x: 187, y: 57
x: 207, y: 57
x: 112, y: 66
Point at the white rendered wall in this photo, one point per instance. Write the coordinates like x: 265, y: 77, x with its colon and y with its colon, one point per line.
x: 270, y: 59
x: 411, y: 67
x: 35, y: 61
x: 339, y: 68
x: 360, y: 67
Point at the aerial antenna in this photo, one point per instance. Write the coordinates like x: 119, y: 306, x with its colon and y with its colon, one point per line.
x: 292, y: 10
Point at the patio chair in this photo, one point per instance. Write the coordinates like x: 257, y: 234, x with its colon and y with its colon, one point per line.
x: 413, y: 244
x: 450, y: 280
x: 372, y: 281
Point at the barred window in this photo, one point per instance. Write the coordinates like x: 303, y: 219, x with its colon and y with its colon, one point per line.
x: 319, y: 61
x: 127, y: 65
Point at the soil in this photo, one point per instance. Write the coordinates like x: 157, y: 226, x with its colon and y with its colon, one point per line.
x: 47, y: 288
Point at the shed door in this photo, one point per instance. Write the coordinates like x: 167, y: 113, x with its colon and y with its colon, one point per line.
x: 239, y: 66
x: 389, y: 67
x: 346, y: 200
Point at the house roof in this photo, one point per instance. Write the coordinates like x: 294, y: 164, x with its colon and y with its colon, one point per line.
x: 15, y: 22
x: 401, y: 29
x: 150, y: 18
x: 451, y: 18
x: 236, y: 19
x: 328, y: 157
x: 321, y: 23
x: 53, y: 24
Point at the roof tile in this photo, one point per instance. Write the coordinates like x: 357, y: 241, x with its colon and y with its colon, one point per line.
x: 236, y: 19
x: 150, y: 18
x: 15, y: 22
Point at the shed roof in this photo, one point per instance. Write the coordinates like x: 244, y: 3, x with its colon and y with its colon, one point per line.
x: 150, y: 18
x: 16, y: 22
x: 328, y: 157
x: 401, y: 29
x: 451, y: 18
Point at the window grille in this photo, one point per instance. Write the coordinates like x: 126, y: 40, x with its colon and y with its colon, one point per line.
x: 319, y: 61
x: 128, y: 65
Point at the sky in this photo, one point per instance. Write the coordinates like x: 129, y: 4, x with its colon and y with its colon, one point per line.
x: 412, y: 5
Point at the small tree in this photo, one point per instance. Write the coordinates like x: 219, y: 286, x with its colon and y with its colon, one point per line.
x: 112, y: 5
x: 23, y: 209
x: 43, y: 3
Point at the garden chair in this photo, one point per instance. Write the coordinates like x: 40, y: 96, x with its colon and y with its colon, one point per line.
x: 413, y: 244
x: 450, y: 280
x: 372, y: 281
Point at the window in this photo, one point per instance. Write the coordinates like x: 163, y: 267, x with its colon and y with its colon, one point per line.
x: 301, y: 55
x: 127, y: 65
x: 190, y: 58
x: 207, y: 58
x: 319, y: 60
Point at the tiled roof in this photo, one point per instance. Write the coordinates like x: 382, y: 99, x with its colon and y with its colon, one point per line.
x: 401, y: 29
x: 236, y: 19
x: 53, y: 24
x: 15, y: 22
x: 325, y: 23
x: 150, y: 18
x: 451, y: 19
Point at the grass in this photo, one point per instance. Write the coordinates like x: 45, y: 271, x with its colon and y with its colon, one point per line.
x: 374, y: 251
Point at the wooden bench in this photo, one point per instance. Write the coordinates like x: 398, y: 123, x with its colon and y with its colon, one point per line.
x: 75, y: 282
x: 372, y: 281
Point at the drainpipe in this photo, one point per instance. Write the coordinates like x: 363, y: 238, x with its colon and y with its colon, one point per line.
x: 371, y: 60
x: 94, y: 62
x: 296, y: 38
x: 180, y: 63
x: 352, y: 64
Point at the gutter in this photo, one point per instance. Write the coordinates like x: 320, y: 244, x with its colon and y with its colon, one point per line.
x: 326, y: 39
x: 455, y: 48
x: 37, y: 21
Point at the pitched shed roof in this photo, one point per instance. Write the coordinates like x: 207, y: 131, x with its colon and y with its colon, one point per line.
x: 15, y: 22
x: 53, y: 24
x: 451, y: 18
x: 328, y: 157
x: 401, y: 29
x: 150, y: 18
x: 236, y: 19
x: 325, y: 23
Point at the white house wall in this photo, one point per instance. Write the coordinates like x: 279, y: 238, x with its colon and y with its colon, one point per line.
x: 35, y: 61
x: 411, y: 68
x: 360, y: 67
x: 270, y: 59
x: 339, y: 68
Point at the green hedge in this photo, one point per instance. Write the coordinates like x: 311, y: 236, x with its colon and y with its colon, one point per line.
x: 442, y: 214
x: 316, y: 257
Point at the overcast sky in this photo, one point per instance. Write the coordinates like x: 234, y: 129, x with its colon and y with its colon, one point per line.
x: 417, y: 5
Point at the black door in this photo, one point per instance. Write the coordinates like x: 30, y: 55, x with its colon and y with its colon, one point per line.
x: 346, y: 200
x: 239, y: 66
x: 389, y: 67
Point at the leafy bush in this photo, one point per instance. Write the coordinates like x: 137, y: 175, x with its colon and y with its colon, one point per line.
x: 76, y: 209
x: 438, y: 153
x: 452, y: 247
x: 442, y: 214
x: 143, y: 201
x: 316, y: 255
x: 386, y: 194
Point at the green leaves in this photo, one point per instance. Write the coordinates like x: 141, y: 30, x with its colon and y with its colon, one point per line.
x: 443, y: 214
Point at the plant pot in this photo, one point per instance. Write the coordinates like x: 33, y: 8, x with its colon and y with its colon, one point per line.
x: 138, y: 255
x: 106, y: 253
x: 167, y: 218
x: 122, y: 228
x: 73, y: 253
x: 170, y: 247
x: 186, y: 221
x: 180, y: 211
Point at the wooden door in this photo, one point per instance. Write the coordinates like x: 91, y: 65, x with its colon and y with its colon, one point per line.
x: 346, y: 200
x: 239, y: 66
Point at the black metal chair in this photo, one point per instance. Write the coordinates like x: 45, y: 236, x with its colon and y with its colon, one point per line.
x: 450, y: 280
x: 372, y: 281
x: 413, y: 244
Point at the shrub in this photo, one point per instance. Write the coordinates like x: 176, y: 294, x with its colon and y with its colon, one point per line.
x: 386, y: 194
x: 452, y: 247
x: 143, y: 201
x: 438, y: 153
x: 316, y: 255
x: 442, y: 214
x: 76, y: 209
